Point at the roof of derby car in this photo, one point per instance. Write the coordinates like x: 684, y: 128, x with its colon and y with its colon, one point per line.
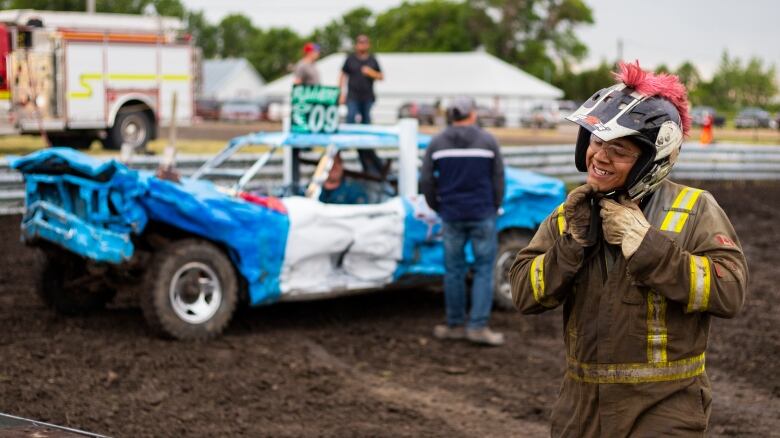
x: 348, y: 136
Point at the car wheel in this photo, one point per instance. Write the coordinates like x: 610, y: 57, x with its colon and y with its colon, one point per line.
x: 509, y: 244
x: 191, y: 292
x: 133, y: 128
x: 67, y: 286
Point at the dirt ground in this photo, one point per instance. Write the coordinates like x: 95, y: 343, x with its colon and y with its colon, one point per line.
x: 357, y: 366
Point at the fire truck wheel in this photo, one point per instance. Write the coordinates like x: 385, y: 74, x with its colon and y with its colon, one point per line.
x: 191, y: 292
x: 133, y: 128
x: 509, y: 243
x: 67, y: 286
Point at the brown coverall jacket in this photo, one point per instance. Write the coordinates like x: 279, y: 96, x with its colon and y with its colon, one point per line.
x: 636, y: 330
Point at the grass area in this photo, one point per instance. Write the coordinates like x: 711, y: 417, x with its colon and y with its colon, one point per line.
x: 25, y: 144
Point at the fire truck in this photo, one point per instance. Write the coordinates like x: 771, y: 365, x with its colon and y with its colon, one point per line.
x: 77, y: 77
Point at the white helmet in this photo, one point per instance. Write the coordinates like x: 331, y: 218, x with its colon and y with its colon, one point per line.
x: 652, y: 110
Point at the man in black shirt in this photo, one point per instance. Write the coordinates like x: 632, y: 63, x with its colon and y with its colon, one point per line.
x: 362, y: 69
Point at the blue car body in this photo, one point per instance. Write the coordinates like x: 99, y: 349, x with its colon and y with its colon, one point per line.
x: 99, y: 209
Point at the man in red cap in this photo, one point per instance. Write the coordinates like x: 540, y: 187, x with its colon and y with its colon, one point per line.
x: 305, y: 70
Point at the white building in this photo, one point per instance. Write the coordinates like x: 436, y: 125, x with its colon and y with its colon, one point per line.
x: 428, y: 77
x: 230, y: 79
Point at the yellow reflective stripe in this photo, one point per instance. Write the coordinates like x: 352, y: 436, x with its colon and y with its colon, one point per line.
x: 561, y: 220
x: 5, y: 94
x: 86, y: 91
x: 681, y: 207
x: 636, y: 372
x: 176, y: 77
x: 131, y: 77
x: 537, y: 283
x: 537, y: 277
x: 656, y: 327
x: 699, y: 295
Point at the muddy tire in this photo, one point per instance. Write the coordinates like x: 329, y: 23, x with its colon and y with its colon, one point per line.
x: 509, y: 243
x: 67, y: 286
x: 191, y: 291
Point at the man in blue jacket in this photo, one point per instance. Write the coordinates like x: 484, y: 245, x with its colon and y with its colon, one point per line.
x: 463, y: 180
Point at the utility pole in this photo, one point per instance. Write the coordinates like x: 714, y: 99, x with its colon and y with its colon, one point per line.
x: 91, y: 6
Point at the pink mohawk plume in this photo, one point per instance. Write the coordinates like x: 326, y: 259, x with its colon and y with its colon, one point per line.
x: 662, y: 85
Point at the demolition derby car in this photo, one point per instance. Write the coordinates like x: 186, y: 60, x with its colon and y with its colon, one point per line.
x: 195, y: 248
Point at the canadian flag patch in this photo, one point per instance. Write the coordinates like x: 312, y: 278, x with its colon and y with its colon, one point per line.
x: 724, y: 241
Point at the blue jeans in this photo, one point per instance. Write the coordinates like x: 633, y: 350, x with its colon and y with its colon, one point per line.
x: 362, y: 107
x: 484, y: 243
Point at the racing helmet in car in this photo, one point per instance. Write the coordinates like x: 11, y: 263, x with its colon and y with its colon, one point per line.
x: 651, y: 110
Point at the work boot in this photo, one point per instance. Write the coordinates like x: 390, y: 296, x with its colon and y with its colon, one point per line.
x: 443, y: 331
x: 485, y: 336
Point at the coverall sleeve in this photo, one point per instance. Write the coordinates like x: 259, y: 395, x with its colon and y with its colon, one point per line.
x: 427, y: 179
x: 543, y: 272
x: 711, y: 277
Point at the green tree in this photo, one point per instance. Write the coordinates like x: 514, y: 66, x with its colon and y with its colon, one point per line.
x: 172, y: 8
x: 758, y: 85
x: 534, y: 34
x: 205, y: 34
x: 433, y: 26
x: 580, y: 86
x: 236, y: 33
x: 274, y: 52
x: 662, y: 68
x: 734, y: 86
x: 688, y: 75
x: 691, y: 78
x: 338, y: 35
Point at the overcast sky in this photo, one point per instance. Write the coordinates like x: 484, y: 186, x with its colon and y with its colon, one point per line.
x: 655, y: 31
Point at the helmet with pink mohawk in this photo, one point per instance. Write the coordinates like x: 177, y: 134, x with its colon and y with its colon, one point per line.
x: 651, y: 109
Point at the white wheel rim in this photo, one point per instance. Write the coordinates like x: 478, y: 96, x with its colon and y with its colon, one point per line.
x: 195, y: 293
x: 133, y: 131
x: 503, y: 264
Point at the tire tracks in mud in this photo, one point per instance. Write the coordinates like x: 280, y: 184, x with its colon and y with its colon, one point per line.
x: 744, y: 400
x: 434, y: 403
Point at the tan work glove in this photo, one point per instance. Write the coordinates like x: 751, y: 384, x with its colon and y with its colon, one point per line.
x: 624, y: 224
x: 576, y: 211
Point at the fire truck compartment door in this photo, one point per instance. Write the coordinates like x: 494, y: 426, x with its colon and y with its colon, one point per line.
x: 85, y: 90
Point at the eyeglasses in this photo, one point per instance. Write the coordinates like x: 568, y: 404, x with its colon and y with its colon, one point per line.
x: 616, y: 153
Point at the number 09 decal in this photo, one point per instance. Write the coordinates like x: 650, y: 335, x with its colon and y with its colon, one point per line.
x: 314, y: 109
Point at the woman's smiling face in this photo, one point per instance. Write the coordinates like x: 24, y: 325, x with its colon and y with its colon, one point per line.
x: 609, y: 163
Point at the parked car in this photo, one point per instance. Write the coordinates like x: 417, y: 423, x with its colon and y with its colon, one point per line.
x: 207, y: 109
x: 753, y: 117
x: 240, y: 111
x: 193, y: 249
x: 425, y: 113
x: 565, y: 108
x: 487, y: 116
x: 548, y: 115
x: 540, y: 117
x: 698, y: 114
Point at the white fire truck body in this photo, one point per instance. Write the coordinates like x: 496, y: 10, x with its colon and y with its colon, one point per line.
x: 81, y: 76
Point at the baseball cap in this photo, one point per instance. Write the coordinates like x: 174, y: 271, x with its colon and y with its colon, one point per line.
x: 311, y: 47
x: 460, y: 107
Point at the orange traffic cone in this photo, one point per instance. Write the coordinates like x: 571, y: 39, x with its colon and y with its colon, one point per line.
x: 706, y: 131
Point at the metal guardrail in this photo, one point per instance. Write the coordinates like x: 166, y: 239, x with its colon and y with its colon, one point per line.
x: 697, y: 162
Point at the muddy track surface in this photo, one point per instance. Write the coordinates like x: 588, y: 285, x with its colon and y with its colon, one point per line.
x: 357, y: 366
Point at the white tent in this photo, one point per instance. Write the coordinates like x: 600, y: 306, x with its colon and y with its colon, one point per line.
x: 230, y: 79
x: 427, y: 77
